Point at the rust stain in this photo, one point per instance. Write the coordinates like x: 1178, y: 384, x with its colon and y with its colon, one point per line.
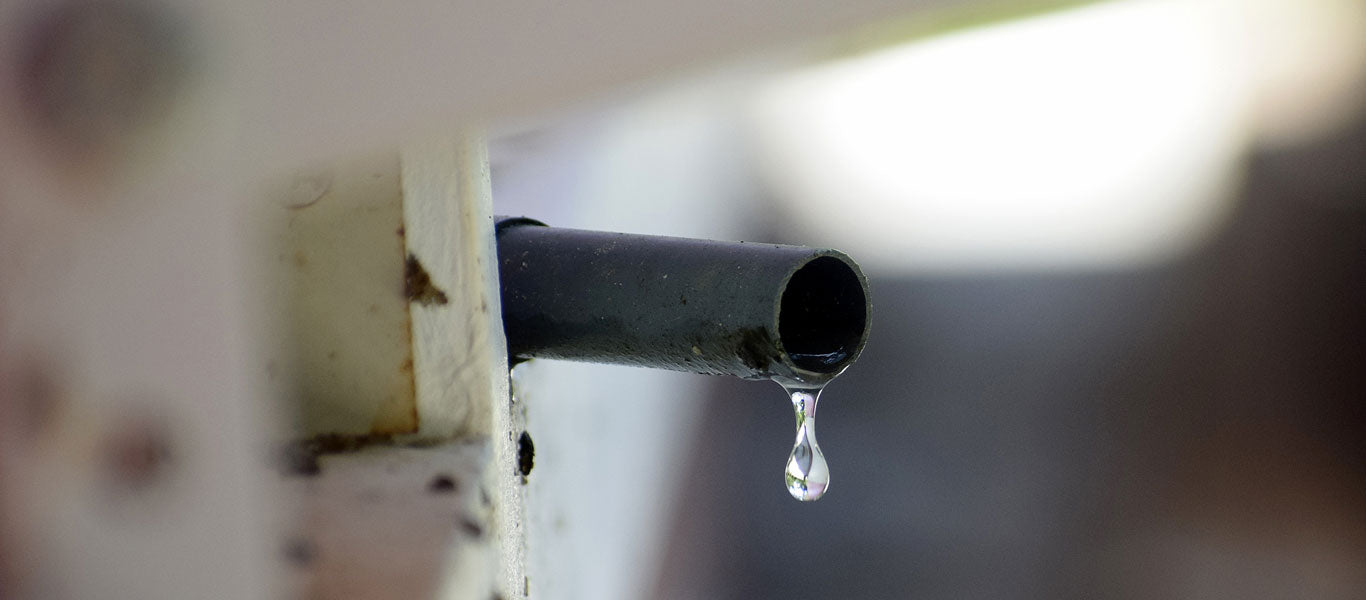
x: 406, y: 370
x: 418, y: 286
x: 399, y: 413
x: 412, y: 411
x: 301, y: 457
x: 396, y: 415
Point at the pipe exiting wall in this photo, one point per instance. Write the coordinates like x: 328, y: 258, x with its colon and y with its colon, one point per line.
x: 755, y: 311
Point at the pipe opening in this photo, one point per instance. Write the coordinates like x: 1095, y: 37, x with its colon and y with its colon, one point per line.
x: 823, y: 315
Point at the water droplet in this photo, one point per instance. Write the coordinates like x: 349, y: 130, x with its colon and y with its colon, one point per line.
x: 807, y: 474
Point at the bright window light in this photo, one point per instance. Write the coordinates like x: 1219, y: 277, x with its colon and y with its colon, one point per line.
x: 1101, y: 137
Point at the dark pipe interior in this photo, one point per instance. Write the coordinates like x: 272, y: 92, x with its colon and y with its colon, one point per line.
x: 823, y: 315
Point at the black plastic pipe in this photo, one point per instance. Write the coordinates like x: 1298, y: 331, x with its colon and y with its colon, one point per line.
x: 754, y: 311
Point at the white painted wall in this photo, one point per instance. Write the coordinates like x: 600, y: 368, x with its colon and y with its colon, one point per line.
x: 610, y: 441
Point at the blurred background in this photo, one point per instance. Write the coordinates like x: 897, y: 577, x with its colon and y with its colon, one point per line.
x: 1118, y: 260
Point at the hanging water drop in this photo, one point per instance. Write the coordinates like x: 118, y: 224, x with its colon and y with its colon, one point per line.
x: 807, y: 474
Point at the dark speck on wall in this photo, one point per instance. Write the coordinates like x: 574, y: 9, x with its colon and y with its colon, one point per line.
x: 526, y: 454
x: 442, y: 484
x: 471, y: 528
x: 300, y: 552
